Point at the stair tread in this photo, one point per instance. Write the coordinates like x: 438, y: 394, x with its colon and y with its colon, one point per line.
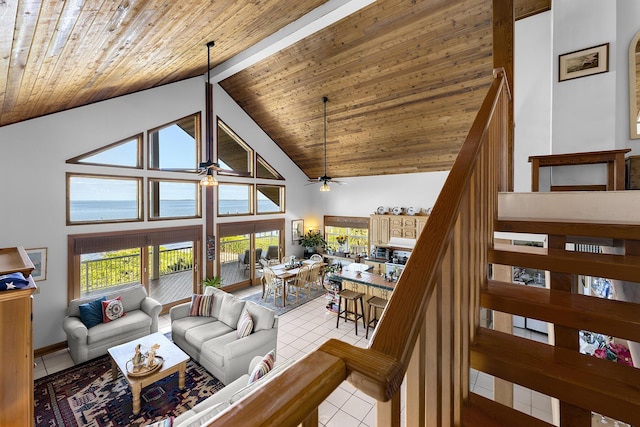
x: 586, y: 229
x: 621, y: 267
x: 584, y: 381
x: 483, y: 412
x: 610, y: 317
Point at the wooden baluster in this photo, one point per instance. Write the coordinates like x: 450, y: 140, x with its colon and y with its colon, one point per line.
x: 415, y: 396
x: 570, y: 415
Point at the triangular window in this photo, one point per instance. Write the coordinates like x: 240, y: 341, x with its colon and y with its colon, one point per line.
x: 265, y: 170
x: 234, y: 155
x: 126, y: 154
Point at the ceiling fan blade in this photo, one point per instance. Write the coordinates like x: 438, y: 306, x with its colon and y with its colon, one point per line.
x: 233, y: 172
x: 209, y: 165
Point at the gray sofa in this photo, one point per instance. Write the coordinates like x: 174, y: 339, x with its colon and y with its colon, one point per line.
x: 140, y: 319
x: 209, y: 408
x: 212, y: 340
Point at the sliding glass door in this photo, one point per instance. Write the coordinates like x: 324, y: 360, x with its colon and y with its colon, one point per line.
x: 164, y: 260
x: 242, y: 246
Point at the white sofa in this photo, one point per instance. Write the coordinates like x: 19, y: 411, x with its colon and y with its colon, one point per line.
x: 140, y: 319
x: 212, y: 341
x: 209, y: 408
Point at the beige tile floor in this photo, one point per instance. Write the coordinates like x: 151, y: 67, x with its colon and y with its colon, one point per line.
x: 303, y: 329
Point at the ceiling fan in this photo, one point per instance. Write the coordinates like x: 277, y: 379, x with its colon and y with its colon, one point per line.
x: 209, y: 166
x: 324, y: 179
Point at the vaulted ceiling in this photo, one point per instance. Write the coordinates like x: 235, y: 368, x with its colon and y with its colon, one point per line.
x: 404, y: 77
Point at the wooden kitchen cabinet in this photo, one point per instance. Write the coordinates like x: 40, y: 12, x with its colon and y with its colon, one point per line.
x: 16, y: 342
x: 384, y: 227
x: 379, y: 230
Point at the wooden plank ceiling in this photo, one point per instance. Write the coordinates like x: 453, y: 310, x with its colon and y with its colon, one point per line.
x: 404, y: 81
x: 56, y: 55
x: 404, y: 77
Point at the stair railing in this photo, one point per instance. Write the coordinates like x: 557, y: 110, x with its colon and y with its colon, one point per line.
x: 430, y: 319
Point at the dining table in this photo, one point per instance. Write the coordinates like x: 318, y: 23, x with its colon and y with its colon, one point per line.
x: 286, y: 272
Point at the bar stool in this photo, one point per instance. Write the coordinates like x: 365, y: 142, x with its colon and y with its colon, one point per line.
x: 375, y: 303
x: 349, y: 295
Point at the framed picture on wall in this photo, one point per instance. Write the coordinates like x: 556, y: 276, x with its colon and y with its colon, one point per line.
x: 38, y: 257
x: 297, y: 230
x: 585, y: 62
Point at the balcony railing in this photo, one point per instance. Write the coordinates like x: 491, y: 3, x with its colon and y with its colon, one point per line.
x: 110, y: 271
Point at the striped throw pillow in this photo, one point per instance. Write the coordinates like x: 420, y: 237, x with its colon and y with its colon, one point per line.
x: 263, y: 367
x: 245, y: 325
x: 201, y: 305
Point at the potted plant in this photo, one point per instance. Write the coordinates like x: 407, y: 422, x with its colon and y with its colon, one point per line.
x: 215, y: 281
x: 312, y: 240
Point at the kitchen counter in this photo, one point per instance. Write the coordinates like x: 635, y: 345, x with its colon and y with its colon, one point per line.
x: 367, y: 279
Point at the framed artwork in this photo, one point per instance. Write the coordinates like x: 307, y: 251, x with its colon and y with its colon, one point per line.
x: 38, y: 257
x: 297, y: 230
x: 211, y: 248
x: 585, y: 62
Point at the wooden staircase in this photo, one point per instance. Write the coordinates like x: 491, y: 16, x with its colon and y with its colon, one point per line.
x: 582, y: 383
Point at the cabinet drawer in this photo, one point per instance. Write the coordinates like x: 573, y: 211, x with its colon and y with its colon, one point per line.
x: 409, y: 222
x: 396, y: 232
x: 395, y: 222
x: 409, y: 233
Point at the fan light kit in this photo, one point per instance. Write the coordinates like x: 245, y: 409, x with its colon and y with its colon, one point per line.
x: 208, y: 180
x: 324, y: 179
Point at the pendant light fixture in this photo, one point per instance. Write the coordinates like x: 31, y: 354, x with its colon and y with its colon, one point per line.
x: 324, y: 179
x: 208, y: 180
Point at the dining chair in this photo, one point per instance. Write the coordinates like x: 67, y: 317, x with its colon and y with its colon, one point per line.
x: 300, y: 280
x: 315, y: 278
x: 272, y: 285
x: 316, y: 257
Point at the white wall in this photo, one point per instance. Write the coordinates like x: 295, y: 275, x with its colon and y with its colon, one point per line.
x: 585, y: 114
x: 532, y: 99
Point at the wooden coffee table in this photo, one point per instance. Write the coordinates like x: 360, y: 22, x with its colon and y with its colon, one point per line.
x: 175, y: 360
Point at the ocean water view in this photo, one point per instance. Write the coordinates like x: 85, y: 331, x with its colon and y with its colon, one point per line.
x: 104, y: 210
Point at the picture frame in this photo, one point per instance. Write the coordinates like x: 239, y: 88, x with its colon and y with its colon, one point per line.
x: 38, y: 257
x: 297, y: 230
x: 584, y: 62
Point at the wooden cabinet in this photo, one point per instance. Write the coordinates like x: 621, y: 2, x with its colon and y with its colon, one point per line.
x: 632, y: 173
x: 16, y: 342
x: 379, y: 230
x: 384, y: 227
x: 402, y: 226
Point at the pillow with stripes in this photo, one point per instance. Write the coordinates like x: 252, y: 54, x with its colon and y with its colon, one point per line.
x: 263, y: 367
x: 201, y: 305
x: 245, y: 325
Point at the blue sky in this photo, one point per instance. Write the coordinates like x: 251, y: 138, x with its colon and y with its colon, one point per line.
x: 177, y: 151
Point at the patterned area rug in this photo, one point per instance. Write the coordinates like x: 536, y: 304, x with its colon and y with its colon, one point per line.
x: 291, y: 300
x: 85, y: 395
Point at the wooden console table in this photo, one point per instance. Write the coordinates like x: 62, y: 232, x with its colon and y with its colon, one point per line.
x: 614, y: 159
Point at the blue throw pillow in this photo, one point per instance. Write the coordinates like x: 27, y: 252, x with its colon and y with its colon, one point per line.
x: 13, y: 281
x: 91, y: 312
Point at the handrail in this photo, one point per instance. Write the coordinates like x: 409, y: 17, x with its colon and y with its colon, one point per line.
x: 459, y: 231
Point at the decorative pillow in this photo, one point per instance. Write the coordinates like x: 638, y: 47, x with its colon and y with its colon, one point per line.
x: 13, y: 281
x: 167, y: 422
x: 91, y: 312
x: 263, y: 367
x: 230, y: 310
x: 201, y: 305
x: 245, y: 325
x: 112, y: 309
